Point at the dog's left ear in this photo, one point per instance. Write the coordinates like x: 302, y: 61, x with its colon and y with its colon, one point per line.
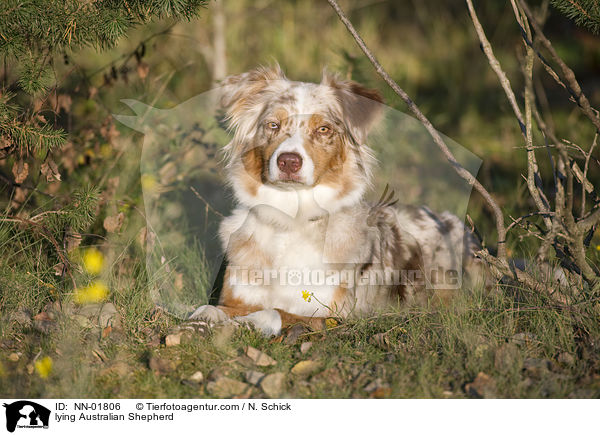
x: 361, y: 106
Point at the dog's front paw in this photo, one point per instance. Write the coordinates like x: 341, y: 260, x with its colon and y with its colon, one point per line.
x: 209, y: 313
x: 266, y: 321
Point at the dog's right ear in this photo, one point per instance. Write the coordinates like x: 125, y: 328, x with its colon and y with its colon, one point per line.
x: 239, y: 92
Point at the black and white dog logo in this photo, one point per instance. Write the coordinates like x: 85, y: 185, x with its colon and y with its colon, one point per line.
x: 26, y: 414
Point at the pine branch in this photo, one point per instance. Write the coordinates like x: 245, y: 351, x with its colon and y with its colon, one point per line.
x: 585, y: 13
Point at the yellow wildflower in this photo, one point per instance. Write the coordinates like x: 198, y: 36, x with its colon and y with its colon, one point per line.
x: 93, y: 260
x: 95, y: 292
x: 43, y: 367
x: 306, y: 295
x: 148, y: 182
x: 597, y: 247
x: 330, y: 322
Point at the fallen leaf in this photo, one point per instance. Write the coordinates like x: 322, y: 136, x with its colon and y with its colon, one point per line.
x: 306, y: 368
x: 112, y: 224
x: 50, y: 171
x: 20, y: 170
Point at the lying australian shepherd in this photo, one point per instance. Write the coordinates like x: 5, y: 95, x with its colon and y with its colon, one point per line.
x: 302, y: 243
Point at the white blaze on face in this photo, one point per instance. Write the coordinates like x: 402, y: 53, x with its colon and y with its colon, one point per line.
x: 293, y: 144
x: 309, y: 99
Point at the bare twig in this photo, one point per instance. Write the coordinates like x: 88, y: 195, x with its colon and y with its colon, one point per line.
x: 462, y: 172
x: 567, y: 72
x: 201, y: 198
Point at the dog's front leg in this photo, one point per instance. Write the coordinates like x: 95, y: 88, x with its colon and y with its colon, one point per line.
x: 268, y: 321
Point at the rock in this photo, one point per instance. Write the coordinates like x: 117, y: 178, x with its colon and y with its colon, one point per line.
x: 197, y: 377
x: 306, y: 368
x: 506, y: 357
x: 259, y: 358
x: 294, y: 334
x: 482, y: 387
x: 305, y: 347
x: 566, y: 359
x: 14, y: 357
x: 225, y: 387
x: 160, y: 365
x: 254, y: 377
x: 173, y: 339
x: 273, y: 385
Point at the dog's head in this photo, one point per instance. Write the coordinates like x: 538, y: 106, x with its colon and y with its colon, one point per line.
x: 294, y: 138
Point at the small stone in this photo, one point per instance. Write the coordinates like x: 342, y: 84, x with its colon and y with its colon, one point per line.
x: 482, y: 387
x: 259, y: 358
x: 173, y: 339
x: 225, y: 387
x: 566, y: 358
x: 306, y: 368
x: 254, y: 377
x: 14, y: 357
x: 273, y: 385
x: 305, y: 347
x: 197, y: 377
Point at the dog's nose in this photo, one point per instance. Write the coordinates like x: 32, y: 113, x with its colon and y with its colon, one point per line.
x: 290, y: 163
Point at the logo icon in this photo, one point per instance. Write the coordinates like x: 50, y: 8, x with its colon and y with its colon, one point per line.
x: 26, y: 414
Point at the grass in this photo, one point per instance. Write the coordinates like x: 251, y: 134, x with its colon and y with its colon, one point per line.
x: 529, y: 349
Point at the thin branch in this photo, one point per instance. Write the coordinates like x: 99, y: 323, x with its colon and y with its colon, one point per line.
x: 567, y: 72
x: 462, y: 172
x: 504, y: 82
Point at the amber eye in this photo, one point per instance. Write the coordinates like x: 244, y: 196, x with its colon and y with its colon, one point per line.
x: 323, y: 129
x: 272, y: 125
